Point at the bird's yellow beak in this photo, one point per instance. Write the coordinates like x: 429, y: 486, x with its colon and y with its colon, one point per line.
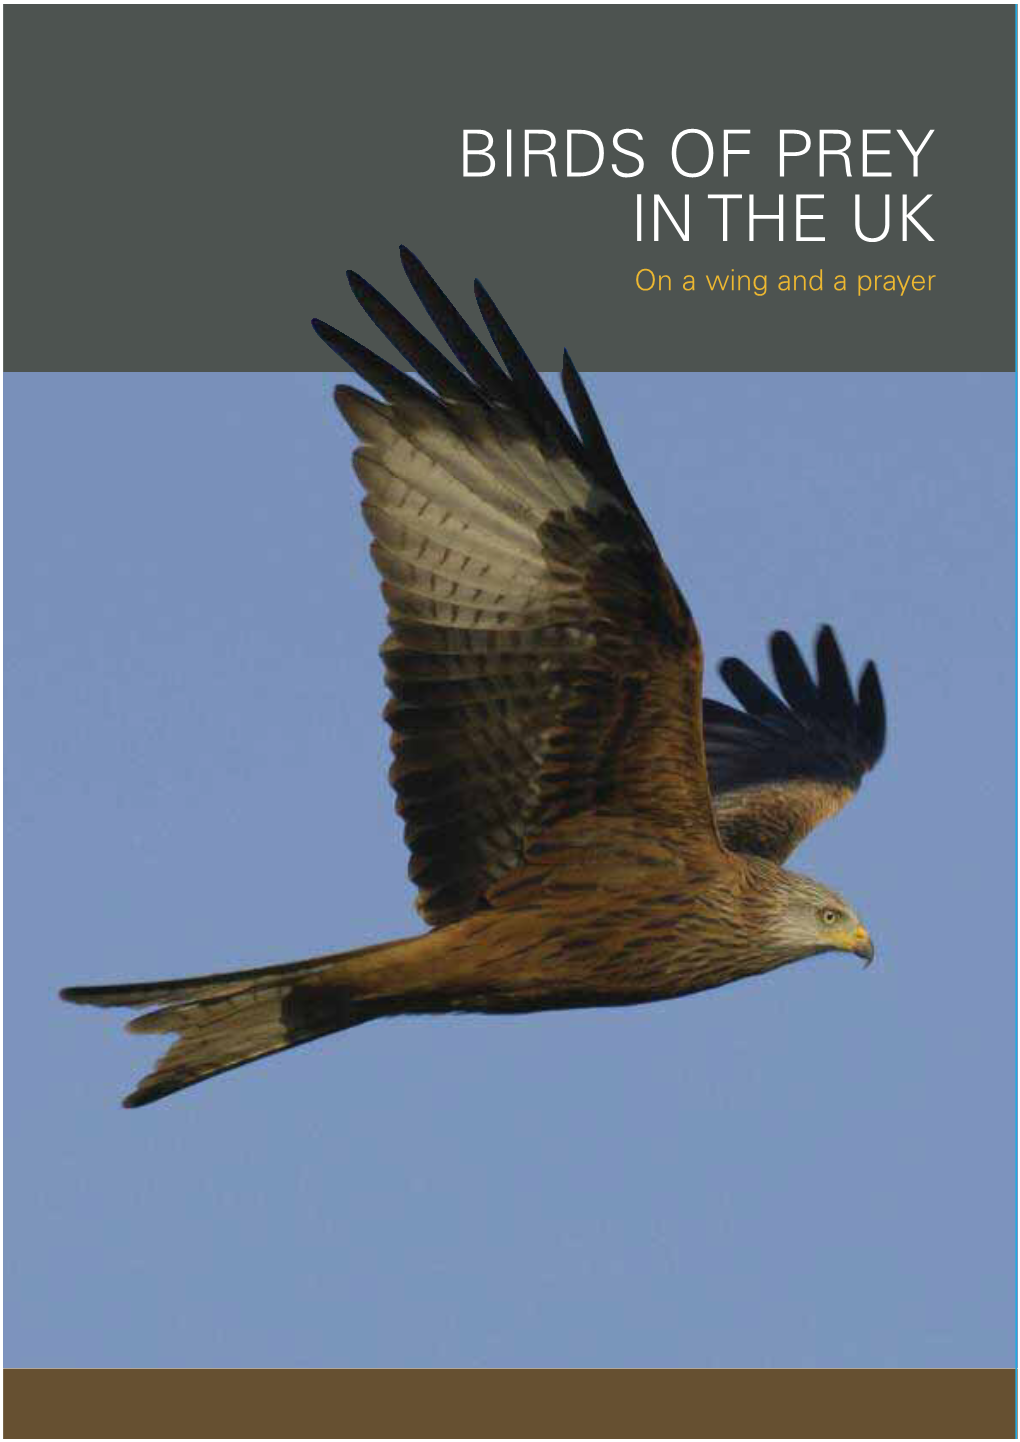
x: 862, y: 945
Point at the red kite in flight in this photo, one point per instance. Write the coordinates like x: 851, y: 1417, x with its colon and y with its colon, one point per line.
x: 584, y: 828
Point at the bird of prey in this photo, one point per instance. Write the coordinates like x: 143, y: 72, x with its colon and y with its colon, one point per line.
x: 584, y: 828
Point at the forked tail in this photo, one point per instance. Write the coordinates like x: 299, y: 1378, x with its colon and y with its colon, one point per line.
x: 231, y: 1019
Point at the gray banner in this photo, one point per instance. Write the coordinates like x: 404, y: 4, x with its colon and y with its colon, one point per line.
x: 187, y: 184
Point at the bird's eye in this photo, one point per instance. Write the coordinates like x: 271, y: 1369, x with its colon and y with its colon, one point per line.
x: 830, y: 916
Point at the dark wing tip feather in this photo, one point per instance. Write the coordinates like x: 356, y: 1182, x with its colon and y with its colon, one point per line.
x: 544, y: 413
x: 493, y: 382
x: 871, y: 712
x: 388, y: 381
x: 835, y: 692
x: 327, y: 332
x: 750, y: 690
x: 418, y: 351
x: 592, y: 434
x: 795, y: 680
x: 351, y: 351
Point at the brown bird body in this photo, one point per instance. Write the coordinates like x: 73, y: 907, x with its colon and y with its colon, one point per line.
x: 574, y: 840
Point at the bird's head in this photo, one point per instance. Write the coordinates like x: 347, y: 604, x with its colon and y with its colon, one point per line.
x: 814, y: 918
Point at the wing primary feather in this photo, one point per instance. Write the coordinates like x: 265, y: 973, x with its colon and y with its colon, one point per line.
x: 418, y: 351
x: 871, y: 712
x: 600, y: 453
x: 750, y: 690
x: 795, y: 680
x: 493, y: 382
x: 545, y: 414
x: 835, y: 692
x: 388, y: 381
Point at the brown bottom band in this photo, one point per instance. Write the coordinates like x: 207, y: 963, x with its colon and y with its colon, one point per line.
x: 492, y: 1403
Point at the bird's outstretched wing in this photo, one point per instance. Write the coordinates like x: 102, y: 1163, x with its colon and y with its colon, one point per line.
x: 541, y: 661
x: 787, y: 762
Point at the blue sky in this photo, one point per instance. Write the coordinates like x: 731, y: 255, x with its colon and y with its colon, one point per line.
x: 815, y: 1168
